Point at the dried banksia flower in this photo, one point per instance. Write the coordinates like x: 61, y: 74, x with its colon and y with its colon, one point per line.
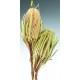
x: 31, y: 24
x: 40, y: 42
x: 43, y: 49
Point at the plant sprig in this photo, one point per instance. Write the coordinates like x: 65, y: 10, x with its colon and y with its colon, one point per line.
x: 40, y: 42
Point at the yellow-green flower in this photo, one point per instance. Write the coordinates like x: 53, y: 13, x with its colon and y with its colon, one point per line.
x: 43, y: 48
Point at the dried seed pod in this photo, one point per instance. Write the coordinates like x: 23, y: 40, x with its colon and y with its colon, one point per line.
x: 31, y: 24
x: 43, y: 48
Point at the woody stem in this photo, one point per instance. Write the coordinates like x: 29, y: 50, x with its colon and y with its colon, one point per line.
x: 31, y: 59
x: 34, y: 73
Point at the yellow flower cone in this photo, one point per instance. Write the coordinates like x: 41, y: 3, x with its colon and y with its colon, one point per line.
x: 31, y: 24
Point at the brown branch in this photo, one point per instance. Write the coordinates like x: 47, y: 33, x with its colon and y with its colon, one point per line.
x: 36, y: 75
x: 31, y: 59
x: 34, y: 71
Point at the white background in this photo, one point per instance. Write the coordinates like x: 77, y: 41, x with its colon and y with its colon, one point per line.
x: 67, y: 67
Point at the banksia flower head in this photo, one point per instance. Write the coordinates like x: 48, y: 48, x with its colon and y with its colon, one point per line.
x: 43, y: 48
x: 31, y: 24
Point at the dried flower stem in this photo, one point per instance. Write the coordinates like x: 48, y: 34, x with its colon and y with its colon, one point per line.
x: 31, y: 58
x: 35, y: 75
x: 33, y: 72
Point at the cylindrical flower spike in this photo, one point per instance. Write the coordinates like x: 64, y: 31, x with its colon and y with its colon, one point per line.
x: 43, y: 48
x: 31, y: 24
